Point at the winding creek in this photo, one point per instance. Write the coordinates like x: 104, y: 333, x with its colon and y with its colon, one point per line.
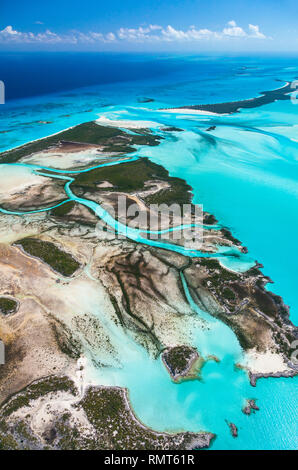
x: 212, y: 338
x: 245, y: 173
x: 231, y: 258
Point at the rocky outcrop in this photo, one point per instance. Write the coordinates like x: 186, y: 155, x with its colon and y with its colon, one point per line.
x: 233, y: 428
x: 287, y: 373
x: 250, y: 407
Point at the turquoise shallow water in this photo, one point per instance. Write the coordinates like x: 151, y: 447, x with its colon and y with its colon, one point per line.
x: 211, y: 337
x: 244, y: 172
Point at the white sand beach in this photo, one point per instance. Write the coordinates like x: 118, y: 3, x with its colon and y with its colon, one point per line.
x: 126, y: 123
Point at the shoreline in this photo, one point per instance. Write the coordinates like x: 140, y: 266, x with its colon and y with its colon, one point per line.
x: 201, y: 109
x: 190, y: 110
x: 230, y: 107
x: 226, y: 303
x: 285, y: 374
x: 36, y: 140
x: 192, y: 363
x: 102, y: 412
x: 266, y: 365
x: 229, y: 283
x: 126, y: 123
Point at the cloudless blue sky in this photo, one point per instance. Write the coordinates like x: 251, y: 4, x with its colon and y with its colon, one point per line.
x: 277, y: 21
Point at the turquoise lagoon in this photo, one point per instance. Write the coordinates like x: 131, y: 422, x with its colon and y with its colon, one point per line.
x: 245, y: 172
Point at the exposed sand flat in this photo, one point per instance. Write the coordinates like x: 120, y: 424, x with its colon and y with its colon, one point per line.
x: 82, y: 215
x: 127, y: 124
x: 65, y: 419
x: 35, y: 197
x: 23, y: 190
x: 104, y: 185
x: 189, y: 111
x: 76, y: 305
x: 79, y: 310
x: 155, y: 302
x: 14, y: 179
x: 265, y: 362
x: 63, y: 160
x: 153, y: 186
x: 14, y: 228
x: 125, y: 301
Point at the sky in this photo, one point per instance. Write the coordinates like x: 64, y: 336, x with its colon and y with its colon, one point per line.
x: 149, y: 25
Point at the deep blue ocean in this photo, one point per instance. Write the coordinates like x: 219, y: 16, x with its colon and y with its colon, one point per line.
x: 245, y: 173
x: 33, y: 74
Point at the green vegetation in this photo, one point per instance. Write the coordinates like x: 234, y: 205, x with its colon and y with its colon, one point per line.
x: 178, y: 357
x: 117, y: 428
x: 36, y: 390
x: 223, y: 282
x: 210, y: 263
x: 66, y: 341
x: 131, y: 176
x: 7, y: 442
x: 128, y: 176
x: 218, y: 275
x: 227, y: 234
x: 209, y: 219
x: 219, y: 278
x: 109, y: 405
x: 106, y: 408
x: 266, y: 97
x: 63, y: 210
x: 7, y: 305
x: 244, y: 335
x: 266, y: 303
x: 228, y: 294
x: 172, y: 129
x: 60, y: 261
x: 17, y: 436
x: 178, y: 193
x: 254, y: 272
x: 113, y: 139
